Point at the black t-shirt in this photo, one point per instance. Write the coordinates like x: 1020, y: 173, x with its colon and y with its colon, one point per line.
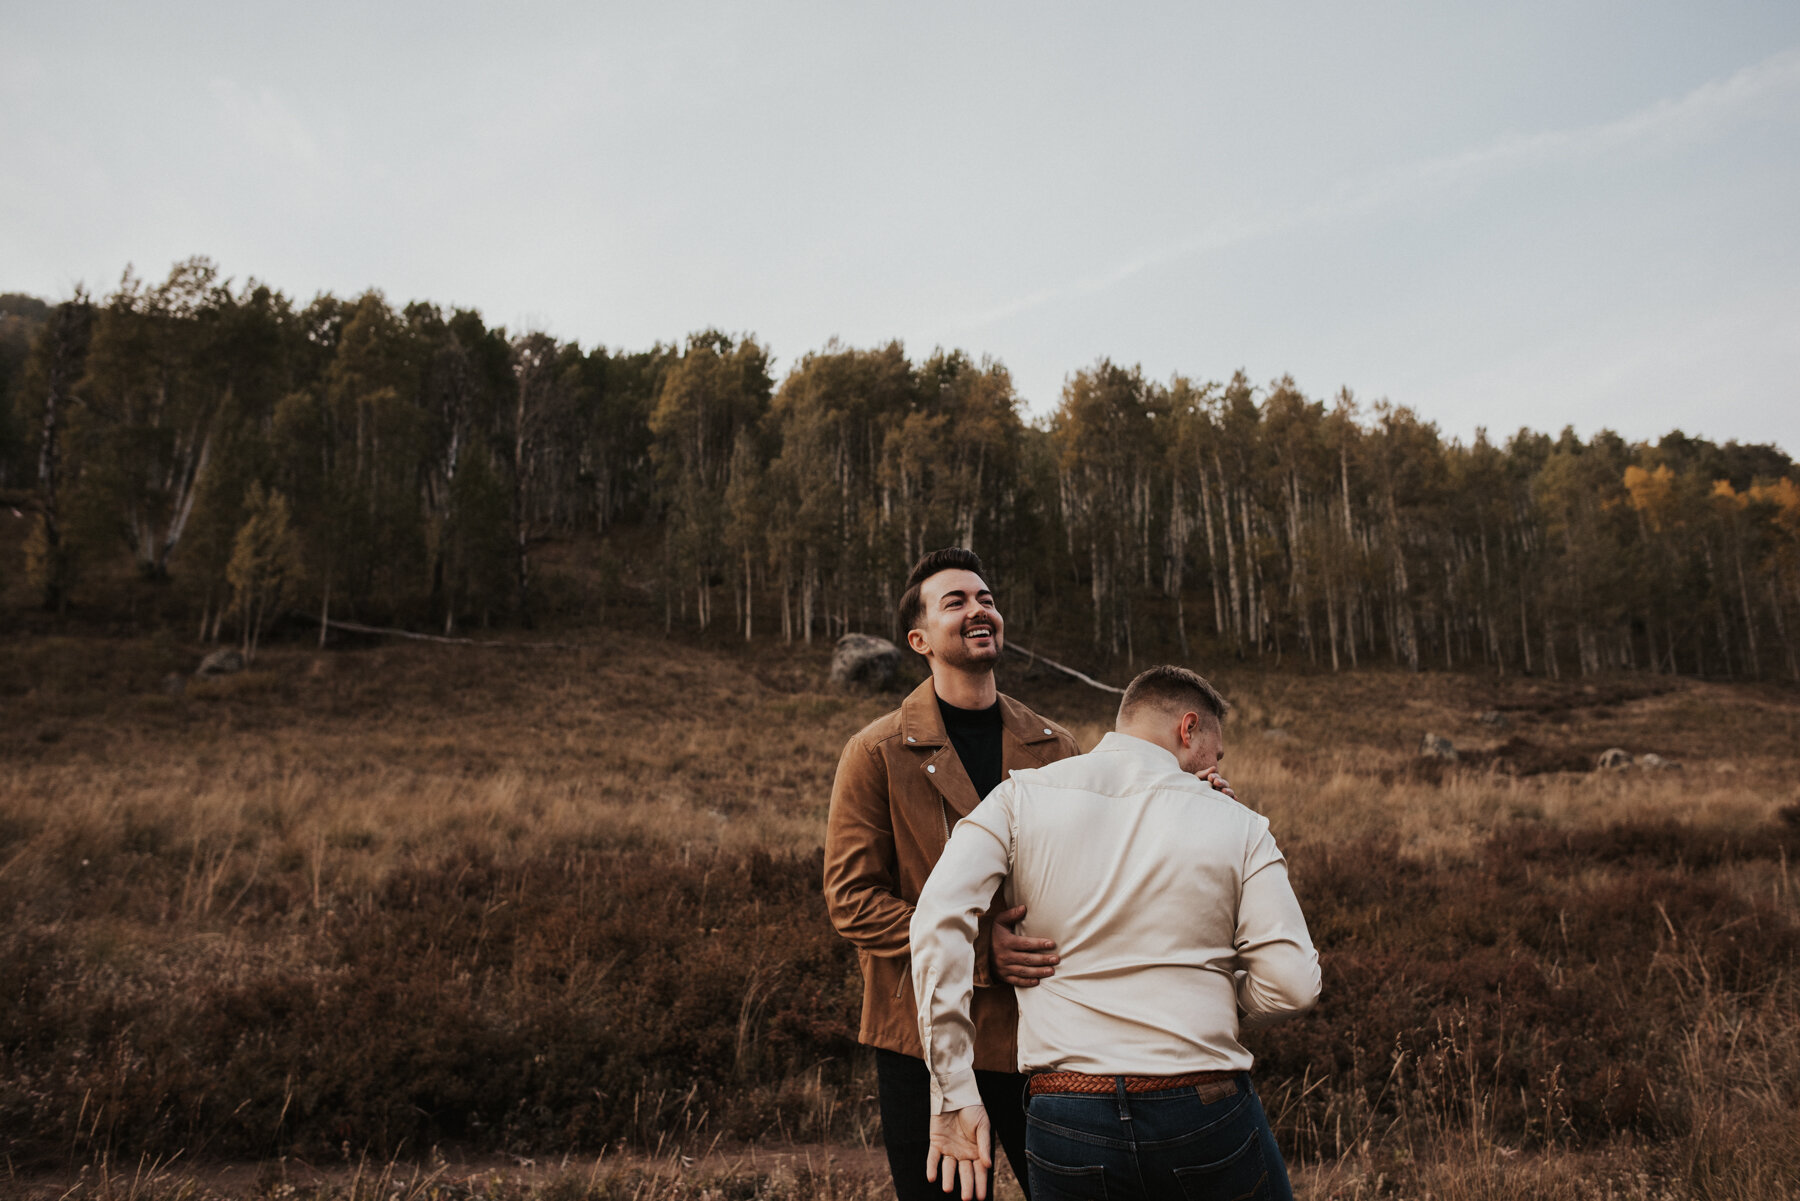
x: 975, y: 733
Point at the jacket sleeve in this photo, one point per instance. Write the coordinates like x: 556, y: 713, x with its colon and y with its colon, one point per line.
x: 943, y: 936
x: 1281, y: 976
x: 862, y: 892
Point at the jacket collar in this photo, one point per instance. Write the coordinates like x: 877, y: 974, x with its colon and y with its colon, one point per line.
x: 922, y: 722
x: 1144, y: 751
x: 922, y: 728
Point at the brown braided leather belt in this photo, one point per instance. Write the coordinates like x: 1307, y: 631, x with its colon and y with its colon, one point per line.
x: 1211, y: 1086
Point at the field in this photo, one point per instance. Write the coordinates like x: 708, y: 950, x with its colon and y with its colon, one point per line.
x: 402, y: 920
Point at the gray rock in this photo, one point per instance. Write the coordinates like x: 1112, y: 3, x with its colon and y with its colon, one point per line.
x: 1495, y: 718
x: 173, y: 685
x: 220, y: 663
x: 1652, y: 761
x: 1436, y: 746
x: 864, y: 661
x: 1613, y: 758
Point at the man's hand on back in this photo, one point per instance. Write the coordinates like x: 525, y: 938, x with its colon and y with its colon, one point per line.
x: 1218, y: 783
x: 1019, y: 961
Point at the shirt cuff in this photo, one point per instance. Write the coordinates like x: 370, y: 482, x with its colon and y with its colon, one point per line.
x: 954, y: 1092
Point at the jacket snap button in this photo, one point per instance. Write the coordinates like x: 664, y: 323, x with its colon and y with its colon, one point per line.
x: 910, y: 738
x: 1046, y: 729
x: 931, y: 767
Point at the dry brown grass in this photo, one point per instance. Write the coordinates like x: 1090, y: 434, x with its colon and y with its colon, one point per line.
x: 789, y: 1174
x: 362, y: 901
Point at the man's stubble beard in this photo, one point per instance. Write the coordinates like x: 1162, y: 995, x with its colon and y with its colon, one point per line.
x: 959, y: 656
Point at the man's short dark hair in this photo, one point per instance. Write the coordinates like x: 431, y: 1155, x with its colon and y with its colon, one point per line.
x: 951, y: 558
x: 1175, y: 689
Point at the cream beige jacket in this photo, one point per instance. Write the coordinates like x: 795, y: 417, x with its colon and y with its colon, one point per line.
x: 899, y: 788
x: 1169, y: 904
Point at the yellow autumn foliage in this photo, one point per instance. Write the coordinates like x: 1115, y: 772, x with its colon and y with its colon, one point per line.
x: 1652, y: 493
x: 1784, y: 494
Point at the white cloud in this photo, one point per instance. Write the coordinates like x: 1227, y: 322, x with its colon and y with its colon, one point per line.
x: 21, y: 75
x: 266, y: 120
x: 1769, y: 86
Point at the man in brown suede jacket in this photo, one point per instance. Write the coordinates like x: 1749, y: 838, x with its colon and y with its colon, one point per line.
x: 902, y: 782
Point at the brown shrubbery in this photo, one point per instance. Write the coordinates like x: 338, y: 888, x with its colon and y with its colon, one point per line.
x: 601, y: 996
x: 1552, y: 1006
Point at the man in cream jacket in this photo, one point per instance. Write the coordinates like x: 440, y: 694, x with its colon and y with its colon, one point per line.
x: 1176, y: 927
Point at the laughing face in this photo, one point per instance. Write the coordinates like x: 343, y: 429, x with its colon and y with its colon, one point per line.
x: 959, y: 625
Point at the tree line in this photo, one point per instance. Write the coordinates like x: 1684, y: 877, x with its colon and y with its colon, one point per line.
x: 408, y: 465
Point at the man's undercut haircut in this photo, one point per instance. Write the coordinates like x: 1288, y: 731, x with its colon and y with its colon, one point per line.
x: 951, y: 558
x: 1172, y: 689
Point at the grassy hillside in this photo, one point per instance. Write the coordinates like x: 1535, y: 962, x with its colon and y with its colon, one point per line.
x: 361, y: 903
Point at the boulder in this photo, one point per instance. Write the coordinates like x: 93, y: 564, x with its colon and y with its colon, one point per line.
x: 1655, y: 762
x: 1495, y: 718
x: 1436, y: 746
x: 1613, y: 758
x: 223, y: 662
x: 864, y: 661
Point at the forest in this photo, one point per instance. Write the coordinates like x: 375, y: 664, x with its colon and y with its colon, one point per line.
x: 268, y: 463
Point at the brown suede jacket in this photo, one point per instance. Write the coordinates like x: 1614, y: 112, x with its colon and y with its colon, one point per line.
x: 899, y: 787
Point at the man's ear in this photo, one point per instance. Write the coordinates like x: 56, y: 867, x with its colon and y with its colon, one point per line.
x: 1190, y: 722
x: 915, y: 638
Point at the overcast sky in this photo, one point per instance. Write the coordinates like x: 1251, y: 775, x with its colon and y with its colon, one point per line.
x: 1502, y: 215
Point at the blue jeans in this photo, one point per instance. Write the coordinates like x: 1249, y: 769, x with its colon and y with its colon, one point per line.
x: 1129, y: 1146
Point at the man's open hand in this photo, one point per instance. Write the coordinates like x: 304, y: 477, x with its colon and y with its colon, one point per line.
x: 1019, y: 961
x: 961, y: 1151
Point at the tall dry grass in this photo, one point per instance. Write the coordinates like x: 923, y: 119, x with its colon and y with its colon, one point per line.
x: 809, y: 1175
x: 364, y: 903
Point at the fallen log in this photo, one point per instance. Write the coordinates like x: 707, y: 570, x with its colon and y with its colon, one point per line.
x: 1090, y: 681
x: 356, y: 627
